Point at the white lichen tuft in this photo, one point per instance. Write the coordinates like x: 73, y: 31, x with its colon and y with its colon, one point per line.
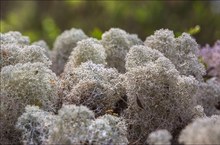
x: 63, y: 46
x: 117, y: 43
x: 140, y: 55
x: 209, y: 97
x: 35, y: 125
x: 21, y: 85
x: 72, y: 125
x: 202, y: 131
x: 13, y: 37
x: 13, y: 52
x: 199, y: 112
x: 86, y: 50
x: 41, y: 43
x: 108, y: 129
x: 93, y: 85
x: 31, y: 83
x: 158, y: 96
x: 44, y: 45
x: 77, y: 125
x: 182, y: 51
x: 159, y: 137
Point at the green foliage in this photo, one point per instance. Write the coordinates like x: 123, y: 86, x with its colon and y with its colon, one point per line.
x: 46, y: 19
x: 50, y: 29
x: 96, y: 33
x: 33, y: 35
x: 194, y: 30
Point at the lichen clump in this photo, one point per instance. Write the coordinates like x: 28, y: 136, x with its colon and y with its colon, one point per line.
x: 209, y: 97
x: 13, y: 37
x: 141, y: 56
x: 182, y: 51
x: 63, y: 46
x: 92, y: 85
x: 72, y: 125
x: 158, y: 96
x: 44, y: 45
x: 26, y: 79
x: 25, y: 84
x: 117, y: 43
x: 159, y: 137
x: 30, y: 82
x: 86, y: 50
x: 202, y: 131
x: 15, y: 49
x: 35, y: 124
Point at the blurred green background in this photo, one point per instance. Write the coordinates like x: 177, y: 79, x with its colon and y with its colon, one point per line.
x: 47, y: 19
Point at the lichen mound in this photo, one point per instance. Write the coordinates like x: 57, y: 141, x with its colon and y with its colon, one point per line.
x: 182, y: 51
x: 21, y: 85
x: 209, y: 97
x: 63, y: 46
x: 117, y: 43
x: 158, y: 96
x: 15, y: 48
x: 202, y: 131
x: 93, y: 85
x: 72, y: 125
x: 159, y: 137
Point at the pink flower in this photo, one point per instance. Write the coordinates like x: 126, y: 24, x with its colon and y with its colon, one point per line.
x: 211, y: 56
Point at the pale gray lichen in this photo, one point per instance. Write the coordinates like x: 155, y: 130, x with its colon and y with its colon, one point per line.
x: 14, y: 37
x: 159, y: 137
x: 15, y: 48
x: 158, y: 97
x: 77, y: 125
x: 86, y: 50
x: 199, y: 112
x: 209, y: 97
x: 202, y: 131
x: 44, y: 45
x: 30, y: 82
x: 13, y: 53
x: 118, y: 123
x: 117, y: 43
x: 140, y: 55
x: 108, y: 129
x: 92, y: 85
x: 72, y: 125
x: 182, y: 51
x: 21, y: 85
x: 35, y: 125
x: 63, y: 46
